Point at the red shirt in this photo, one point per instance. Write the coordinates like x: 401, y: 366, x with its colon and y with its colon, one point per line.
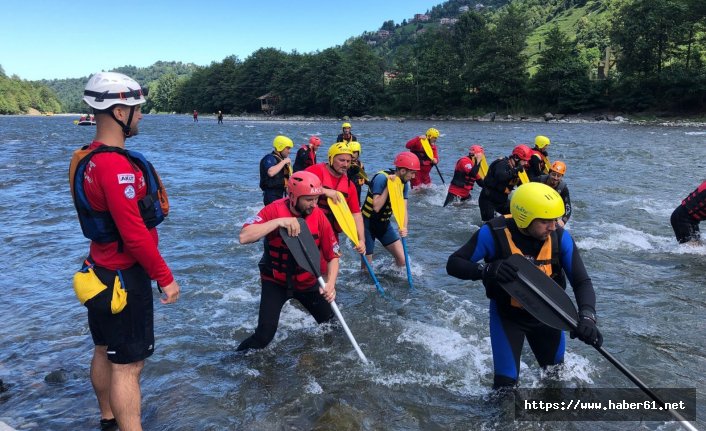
x: 113, y: 184
x: 342, y: 184
x: 463, y: 168
x: 415, y: 145
x: 318, y: 225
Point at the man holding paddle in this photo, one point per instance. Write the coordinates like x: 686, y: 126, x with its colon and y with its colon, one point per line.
x: 334, y: 179
x: 531, y: 231
x: 539, y: 163
x: 377, y: 208
x: 424, y: 147
x: 281, y: 276
x: 466, y: 174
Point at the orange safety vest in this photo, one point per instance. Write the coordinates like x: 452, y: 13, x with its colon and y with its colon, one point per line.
x: 547, y: 260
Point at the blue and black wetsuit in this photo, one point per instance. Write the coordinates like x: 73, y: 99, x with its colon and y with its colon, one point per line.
x: 510, y: 324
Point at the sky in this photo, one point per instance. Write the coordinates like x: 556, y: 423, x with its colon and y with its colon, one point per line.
x: 48, y: 39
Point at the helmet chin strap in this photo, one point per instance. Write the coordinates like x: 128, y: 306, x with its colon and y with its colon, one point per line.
x: 125, y: 127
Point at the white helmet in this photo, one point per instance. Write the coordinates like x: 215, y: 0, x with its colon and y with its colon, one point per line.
x: 105, y: 89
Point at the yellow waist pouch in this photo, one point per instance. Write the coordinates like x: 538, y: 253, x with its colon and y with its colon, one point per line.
x: 95, y: 295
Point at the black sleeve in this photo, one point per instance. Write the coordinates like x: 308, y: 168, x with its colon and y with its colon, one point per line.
x: 567, y: 203
x: 460, y: 264
x: 300, y: 160
x: 535, y: 169
x: 474, y: 170
x: 576, y: 272
x: 503, y: 173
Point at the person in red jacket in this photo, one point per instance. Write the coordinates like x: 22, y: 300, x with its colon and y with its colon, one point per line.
x: 687, y: 216
x: 334, y: 179
x: 465, y: 175
x: 281, y: 277
x: 306, y: 155
x: 118, y: 197
x: 416, y: 146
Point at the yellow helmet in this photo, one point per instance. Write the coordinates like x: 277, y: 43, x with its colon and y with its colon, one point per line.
x: 346, y: 125
x: 432, y: 133
x: 541, y: 141
x: 338, y: 148
x: 535, y: 200
x: 355, y: 146
x: 281, y: 142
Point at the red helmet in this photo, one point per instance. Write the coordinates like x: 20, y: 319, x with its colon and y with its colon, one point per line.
x: 476, y: 149
x: 303, y: 183
x: 407, y: 160
x: 523, y: 152
x: 314, y: 140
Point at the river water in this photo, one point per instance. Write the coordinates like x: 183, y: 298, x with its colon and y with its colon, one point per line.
x: 431, y: 364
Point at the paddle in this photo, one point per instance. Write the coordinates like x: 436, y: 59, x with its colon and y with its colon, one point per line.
x: 428, y: 151
x: 306, y: 253
x: 548, y: 302
x: 344, y: 217
x: 394, y: 190
x: 523, y: 176
x: 483, y: 171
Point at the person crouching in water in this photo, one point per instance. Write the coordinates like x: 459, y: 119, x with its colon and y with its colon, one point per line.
x: 531, y: 231
x: 465, y: 176
x: 280, y: 275
x: 377, y: 208
x: 687, y: 216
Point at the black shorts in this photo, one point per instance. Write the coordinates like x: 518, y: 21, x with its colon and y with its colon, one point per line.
x: 129, y: 334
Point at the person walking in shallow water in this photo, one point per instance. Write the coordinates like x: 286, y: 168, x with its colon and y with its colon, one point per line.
x: 196, y: 116
x: 281, y: 277
x: 120, y: 200
x: 687, y: 216
x: 531, y: 231
x: 220, y: 117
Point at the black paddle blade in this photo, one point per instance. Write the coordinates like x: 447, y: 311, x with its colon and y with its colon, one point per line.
x: 303, y: 248
x: 541, y: 296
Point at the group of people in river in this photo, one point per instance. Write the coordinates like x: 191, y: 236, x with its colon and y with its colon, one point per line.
x: 120, y: 200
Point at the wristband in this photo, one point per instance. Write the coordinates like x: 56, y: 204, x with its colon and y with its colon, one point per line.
x: 585, y: 314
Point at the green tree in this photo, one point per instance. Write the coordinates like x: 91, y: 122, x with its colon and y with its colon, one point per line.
x: 499, y: 74
x: 562, y: 79
x: 358, y: 80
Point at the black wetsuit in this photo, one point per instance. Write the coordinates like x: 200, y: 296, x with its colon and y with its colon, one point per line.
x: 497, y: 184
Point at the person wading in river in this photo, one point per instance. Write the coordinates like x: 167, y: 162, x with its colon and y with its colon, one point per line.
x: 377, y: 208
x: 334, y: 179
x: 120, y: 200
x: 687, y: 216
x: 306, y: 155
x: 465, y: 176
x: 502, y: 177
x: 555, y: 181
x: 281, y: 277
x: 275, y: 169
x: 532, y: 232
x: 416, y: 146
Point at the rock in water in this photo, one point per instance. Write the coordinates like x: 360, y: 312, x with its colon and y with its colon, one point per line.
x: 56, y: 376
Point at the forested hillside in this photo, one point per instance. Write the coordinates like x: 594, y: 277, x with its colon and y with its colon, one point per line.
x: 70, y: 91
x: 462, y: 57
x: 19, y: 97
